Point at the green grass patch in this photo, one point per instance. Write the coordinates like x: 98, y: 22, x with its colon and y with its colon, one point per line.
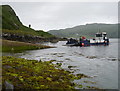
x: 15, y: 46
x: 33, y: 74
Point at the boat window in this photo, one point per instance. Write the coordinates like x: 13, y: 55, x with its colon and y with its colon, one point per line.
x: 98, y: 35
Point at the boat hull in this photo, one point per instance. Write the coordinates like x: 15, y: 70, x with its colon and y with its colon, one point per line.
x: 101, y: 43
x: 88, y: 44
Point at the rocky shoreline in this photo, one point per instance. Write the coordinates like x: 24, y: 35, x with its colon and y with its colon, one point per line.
x: 29, y: 38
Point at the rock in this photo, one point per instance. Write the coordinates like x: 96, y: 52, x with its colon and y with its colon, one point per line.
x: 28, y: 38
x: 67, y: 59
x: 96, y: 88
x: 60, y: 61
x: 54, y: 53
x: 81, y: 54
x: 59, y: 64
x: 7, y: 66
x: 79, y: 76
x: 9, y: 86
x: 71, y: 67
x: 114, y: 59
x: 91, y: 57
x: 60, y: 56
x: 90, y: 82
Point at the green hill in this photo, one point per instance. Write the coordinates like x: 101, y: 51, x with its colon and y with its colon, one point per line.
x: 87, y: 30
x: 12, y: 24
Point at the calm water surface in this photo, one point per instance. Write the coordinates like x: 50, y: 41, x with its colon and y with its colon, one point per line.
x: 98, y: 62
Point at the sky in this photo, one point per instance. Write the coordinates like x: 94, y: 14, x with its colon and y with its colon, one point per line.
x: 59, y: 15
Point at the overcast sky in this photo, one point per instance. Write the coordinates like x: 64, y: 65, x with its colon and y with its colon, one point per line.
x: 56, y: 15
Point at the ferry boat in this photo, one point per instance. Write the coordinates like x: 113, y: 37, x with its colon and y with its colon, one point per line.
x: 100, y: 39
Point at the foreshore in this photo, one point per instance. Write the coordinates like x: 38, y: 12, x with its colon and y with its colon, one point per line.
x: 20, y: 73
x: 16, y: 46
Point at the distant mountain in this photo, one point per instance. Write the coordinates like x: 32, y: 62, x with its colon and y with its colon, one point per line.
x: 12, y: 24
x: 87, y: 30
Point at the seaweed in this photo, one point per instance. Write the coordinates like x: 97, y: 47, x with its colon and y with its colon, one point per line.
x: 33, y: 74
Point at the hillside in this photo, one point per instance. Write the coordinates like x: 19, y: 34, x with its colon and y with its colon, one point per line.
x: 87, y: 30
x: 12, y: 24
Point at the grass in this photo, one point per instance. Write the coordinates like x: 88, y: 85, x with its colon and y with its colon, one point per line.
x: 12, y: 24
x: 33, y: 74
x: 15, y: 46
x: 28, y: 33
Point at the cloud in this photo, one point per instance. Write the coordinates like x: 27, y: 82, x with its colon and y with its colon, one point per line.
x: 56, y: 15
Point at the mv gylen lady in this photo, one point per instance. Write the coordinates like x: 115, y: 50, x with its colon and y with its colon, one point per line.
x: 100, y: 39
